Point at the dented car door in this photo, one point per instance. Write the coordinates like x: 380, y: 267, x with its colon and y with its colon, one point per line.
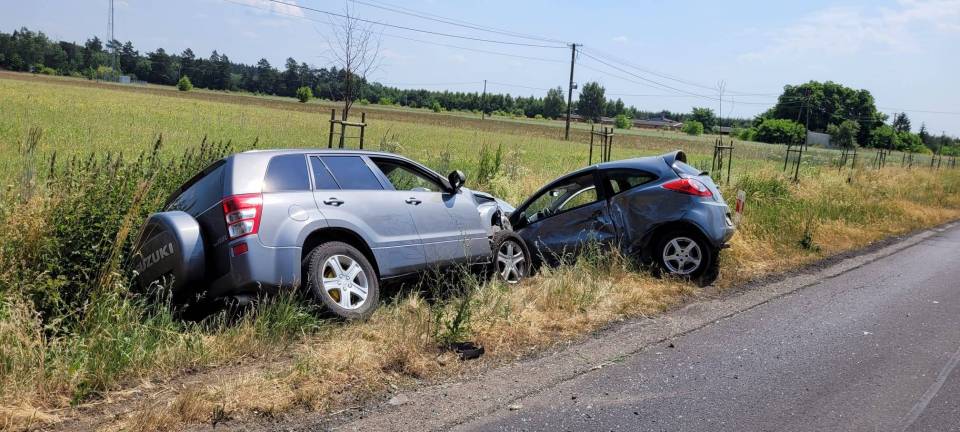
x: 566, y: 216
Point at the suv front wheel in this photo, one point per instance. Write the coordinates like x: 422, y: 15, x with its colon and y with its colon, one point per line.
x: 341, y: 277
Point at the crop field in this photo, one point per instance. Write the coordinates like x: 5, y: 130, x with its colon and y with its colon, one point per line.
x: 78, y: 350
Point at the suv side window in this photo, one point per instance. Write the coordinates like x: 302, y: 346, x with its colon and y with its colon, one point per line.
x: 322, y: 178
x: 567, y: 195
x: 286, y: 173
x: 352, y: 172
x: 406, y: 178
x: 621, y: 180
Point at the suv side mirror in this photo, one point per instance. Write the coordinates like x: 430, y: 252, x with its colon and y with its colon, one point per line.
x: 456, y: 179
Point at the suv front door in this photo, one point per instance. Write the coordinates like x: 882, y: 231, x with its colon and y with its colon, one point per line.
x: 564, y: 217
x: 448, y: 222
x: 350, y: 195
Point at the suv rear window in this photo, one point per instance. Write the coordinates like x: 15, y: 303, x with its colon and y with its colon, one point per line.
x: 201, y: 192
x: 352, y: 172
x: 287, y: 173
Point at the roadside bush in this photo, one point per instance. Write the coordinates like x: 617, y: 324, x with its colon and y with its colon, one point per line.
x: 692, y: 127
x: 780, y: 131
x: 622, y: 122
x: 304, y: 94
x: 184, y: 84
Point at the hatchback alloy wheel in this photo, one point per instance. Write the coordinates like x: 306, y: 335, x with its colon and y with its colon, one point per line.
x: 682, y: 256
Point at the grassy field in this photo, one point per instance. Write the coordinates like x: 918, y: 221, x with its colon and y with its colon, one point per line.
x: 102, y: 357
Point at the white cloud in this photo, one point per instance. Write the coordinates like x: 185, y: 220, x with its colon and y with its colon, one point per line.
x: 278, y: 8
x: 846, y: 30
x: 389, y: 54
x: 621, y: 39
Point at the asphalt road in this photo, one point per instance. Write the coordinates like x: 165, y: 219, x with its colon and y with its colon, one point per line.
x: 872, y: 349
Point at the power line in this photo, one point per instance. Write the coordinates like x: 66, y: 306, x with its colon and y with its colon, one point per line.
x: 451, y: 21
x: 431, y: 84
x: 519, y: 86
x: 542, y: 59
x: 413, y: 29
x: 499, y: 53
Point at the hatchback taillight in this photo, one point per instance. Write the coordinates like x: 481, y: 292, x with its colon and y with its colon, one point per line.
x: 242, y: 214
x: 688, y: 186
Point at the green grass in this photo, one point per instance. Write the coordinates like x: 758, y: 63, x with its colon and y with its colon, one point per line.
x: 70, y: 329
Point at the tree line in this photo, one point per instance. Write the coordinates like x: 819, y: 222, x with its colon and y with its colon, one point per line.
x: 28, y: 51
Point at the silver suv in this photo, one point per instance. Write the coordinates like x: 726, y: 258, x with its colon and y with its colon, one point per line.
x: 342, y: 221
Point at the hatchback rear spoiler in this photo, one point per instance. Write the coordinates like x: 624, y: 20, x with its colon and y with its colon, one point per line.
x: 677, y: 155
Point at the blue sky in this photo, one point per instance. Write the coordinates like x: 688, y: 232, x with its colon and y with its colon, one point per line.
x: 906, y: 52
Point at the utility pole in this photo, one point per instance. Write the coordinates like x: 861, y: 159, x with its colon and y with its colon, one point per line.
x: 483, y: 101
x: 573, y: 59
x: 721, y: 85
x: 112, y: 38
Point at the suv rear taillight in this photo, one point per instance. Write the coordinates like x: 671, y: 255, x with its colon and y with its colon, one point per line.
x: 688, y: 186
x: 242, y: 214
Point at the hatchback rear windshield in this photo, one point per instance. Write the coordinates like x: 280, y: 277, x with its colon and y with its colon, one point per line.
x: 683, y: 169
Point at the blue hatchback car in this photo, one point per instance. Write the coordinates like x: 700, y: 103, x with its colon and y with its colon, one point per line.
x: 658, y: 209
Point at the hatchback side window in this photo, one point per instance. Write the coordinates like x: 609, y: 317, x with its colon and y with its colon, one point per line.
x: 322, y: 178
x: 352, y: 172
x: 286, y: 173
x: 568, y: 195
x: 406, y: 178
x: 621, y: 180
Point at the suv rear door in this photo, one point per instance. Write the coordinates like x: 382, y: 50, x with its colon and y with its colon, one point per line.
x: 449, y: 223
x: 350, y: 195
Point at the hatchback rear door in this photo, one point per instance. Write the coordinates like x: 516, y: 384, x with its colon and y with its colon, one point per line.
x: 350, y: 195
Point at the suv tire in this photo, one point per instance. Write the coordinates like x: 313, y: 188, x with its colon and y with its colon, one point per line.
x: 341, y: 277
x: 511, y: 257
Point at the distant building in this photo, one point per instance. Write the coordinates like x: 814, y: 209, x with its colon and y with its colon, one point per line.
x: 124, y: 79
x: 652, y: 123
x: 818, y: 139
x: 657, y: 123
x: 723, y: 130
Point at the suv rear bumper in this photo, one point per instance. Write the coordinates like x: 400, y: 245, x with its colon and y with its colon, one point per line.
x: 261, y: 269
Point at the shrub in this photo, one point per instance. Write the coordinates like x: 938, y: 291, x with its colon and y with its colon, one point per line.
x: 385, y: 101
x: 364, y: 101
x: 780, y: 131
x: 304, y: 94
x: 692, y: 127
x: 47, y: 71
x: 622, y: 122
x: 747, y: 134
x: 435, y: 107
x: 184, y: 84
x: 538, y: 117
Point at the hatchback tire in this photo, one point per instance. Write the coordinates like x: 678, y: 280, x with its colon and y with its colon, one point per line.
x: 686, y: 254
x: 341, y: 277
x: 511, y: 257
